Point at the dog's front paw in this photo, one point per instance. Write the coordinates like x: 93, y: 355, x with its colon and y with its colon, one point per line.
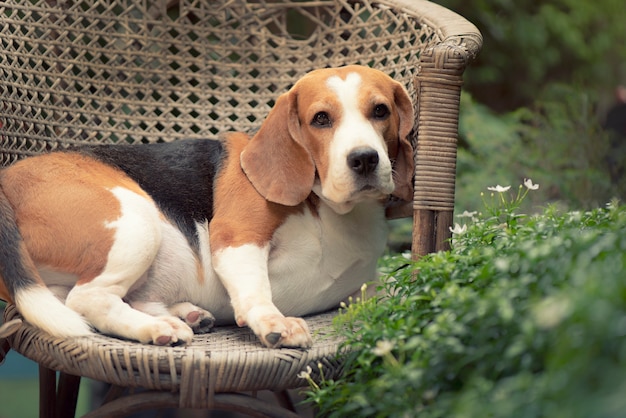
x: 168, y: 330
x: 276, y: 331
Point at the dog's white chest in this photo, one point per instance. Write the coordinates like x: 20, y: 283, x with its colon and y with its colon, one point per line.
x: 317, y: 260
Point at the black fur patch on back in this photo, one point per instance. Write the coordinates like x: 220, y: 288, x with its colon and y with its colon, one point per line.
x: 178, y: 175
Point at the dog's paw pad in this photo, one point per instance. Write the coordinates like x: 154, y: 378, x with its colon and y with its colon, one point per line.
x: 198, y: 319
x: 277, y: 331
x: 206, y: 325
x: 273, y: 338
x: 163, y: 340
x: 192, y: 317
x: 169, y: 330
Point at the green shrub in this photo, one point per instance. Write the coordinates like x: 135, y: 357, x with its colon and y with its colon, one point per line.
x: 524, y: 317
x: 557, y: 141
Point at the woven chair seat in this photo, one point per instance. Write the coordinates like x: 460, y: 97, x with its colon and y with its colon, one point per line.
x: 125, y: 71
x: 227, y: 360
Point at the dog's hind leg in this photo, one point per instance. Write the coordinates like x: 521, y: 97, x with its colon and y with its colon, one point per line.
x: 136, y: 244
x: 200, y: 320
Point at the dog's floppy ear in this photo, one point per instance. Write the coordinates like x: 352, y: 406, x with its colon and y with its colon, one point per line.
x: 404, y: 163
x: 275, y: 162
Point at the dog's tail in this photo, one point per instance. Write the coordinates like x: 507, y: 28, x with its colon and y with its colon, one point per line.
x: 36, y: 303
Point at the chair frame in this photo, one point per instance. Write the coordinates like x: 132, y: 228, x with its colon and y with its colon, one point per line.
x: 52, y: 96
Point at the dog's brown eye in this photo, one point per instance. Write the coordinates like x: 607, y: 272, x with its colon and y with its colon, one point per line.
x: 321, y: 120
x: 381, y: 111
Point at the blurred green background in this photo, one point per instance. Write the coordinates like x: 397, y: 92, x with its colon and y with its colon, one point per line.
x: 536, y: 99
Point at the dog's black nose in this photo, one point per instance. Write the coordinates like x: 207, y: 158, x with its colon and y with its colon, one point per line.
x: 363, y: 161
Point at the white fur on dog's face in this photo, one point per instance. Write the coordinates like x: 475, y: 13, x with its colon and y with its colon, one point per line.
x: 354, y: 130
x: 340, y: 114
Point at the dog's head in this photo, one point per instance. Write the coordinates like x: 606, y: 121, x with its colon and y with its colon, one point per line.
x: 341, y: 133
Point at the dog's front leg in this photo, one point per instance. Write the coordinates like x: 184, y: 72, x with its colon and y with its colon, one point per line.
x: 243, y: 271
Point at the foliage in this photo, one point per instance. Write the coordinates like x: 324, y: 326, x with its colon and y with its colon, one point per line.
x: 558, y: 141
x: 490, y: 148
x: 529, y: 45
x: 536, y: 97
x: 525, y: 317
x: 563, y: 144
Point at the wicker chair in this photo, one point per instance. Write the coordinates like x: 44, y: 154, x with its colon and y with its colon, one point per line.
x: 111, y: 71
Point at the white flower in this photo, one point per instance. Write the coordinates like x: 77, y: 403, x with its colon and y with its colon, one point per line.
x: 467, y: 214
x: 458, y: 229
x: 305, y: 374
x: 383, y: 347
x: 499, y: 189
x: 529, y: 184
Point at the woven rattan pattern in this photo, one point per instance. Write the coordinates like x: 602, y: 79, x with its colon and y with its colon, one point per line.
x: 228, y: 359
x: 107, y: 71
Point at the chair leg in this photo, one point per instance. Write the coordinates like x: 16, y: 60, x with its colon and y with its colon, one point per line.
x: 67, y: 395
x: 47, y: 392
x: 61, y: 402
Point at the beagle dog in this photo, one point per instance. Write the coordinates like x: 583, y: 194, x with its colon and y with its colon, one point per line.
x: 155, y: 242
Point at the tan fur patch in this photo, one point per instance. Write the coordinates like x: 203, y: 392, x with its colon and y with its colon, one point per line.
x: 62, y: 206
x: 241, y: 215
